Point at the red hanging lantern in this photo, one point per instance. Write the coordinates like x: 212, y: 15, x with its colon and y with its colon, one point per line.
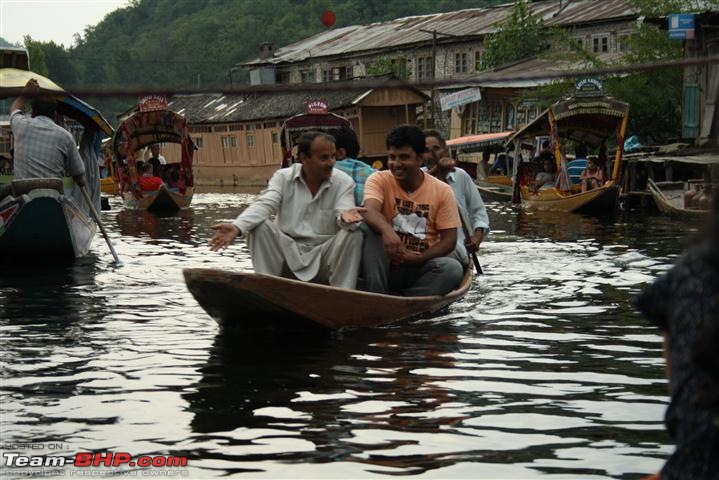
x: 328, y: 18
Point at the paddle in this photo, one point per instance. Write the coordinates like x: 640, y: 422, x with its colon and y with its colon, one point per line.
x: 477, y: 266
x: 96, y: 217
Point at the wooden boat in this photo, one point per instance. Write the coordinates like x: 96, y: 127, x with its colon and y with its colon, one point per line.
x: 256, y: 301
x: 37, y: 220
x: 591, y: 120
x: 669, y: 197
x: 494, y: 192
x: 148, y: 124
x: 317, y: 119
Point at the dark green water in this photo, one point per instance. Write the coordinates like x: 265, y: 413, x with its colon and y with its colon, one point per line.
x: 542, y: 371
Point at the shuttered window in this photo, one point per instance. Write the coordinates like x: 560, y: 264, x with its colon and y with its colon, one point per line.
x: 690, y: 112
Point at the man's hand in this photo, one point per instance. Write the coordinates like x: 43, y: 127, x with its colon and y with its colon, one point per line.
x: 79, y: 180
x: 446, y: 164
x: 405, y: 257
x: 392, y: 243
x: 353, y: 215
x: 225, y: 234
x: 473, y: 242
x: 31, y: 88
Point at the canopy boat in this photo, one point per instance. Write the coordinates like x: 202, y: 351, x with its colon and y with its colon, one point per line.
x: 495, y: 187
x: 670, y: 198
x: 45, y: 218
x: 109, y: 183
x: 589, y: 120
x: 295, y: 126
x: 254, y: 301
x: 142, y: 128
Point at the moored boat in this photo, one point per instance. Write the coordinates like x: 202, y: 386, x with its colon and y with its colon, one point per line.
x: 669, y: 198
x: 38, y: 221
x: 255, y: 301
x: 494, y: 192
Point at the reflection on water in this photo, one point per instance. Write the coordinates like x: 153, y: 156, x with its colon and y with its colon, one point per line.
x: 542, y: 370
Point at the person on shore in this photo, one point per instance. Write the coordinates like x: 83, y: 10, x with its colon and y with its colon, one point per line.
x: 413, y: 221
x: 348, y: 148
x: 471, y: 207
x: 43, y: 149
x: 314, y: 236
x: 148, y: 181
x: 684, y: 304
x: 592, y: 176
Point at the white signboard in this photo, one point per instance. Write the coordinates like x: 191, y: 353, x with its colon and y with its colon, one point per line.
x: 460, y: 98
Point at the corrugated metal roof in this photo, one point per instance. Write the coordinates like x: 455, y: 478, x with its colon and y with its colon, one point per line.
x: 476, y: 22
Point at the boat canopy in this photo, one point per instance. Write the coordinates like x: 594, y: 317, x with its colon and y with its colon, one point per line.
x: 587, y: 120
x: 145, y: 128
x: 305, y: 122
x: 476, y: 143
x: 12, y: 80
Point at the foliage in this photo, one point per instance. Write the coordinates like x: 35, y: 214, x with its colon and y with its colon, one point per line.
x: 521, y: 35
x: 658, y: 8
x: 36, y: 55
x: 397, y: 66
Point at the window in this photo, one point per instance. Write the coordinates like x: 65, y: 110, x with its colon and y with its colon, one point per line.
x: 340, y: 73
x: 460, y: 62
x: 251, y: 140
x: 200, y: 129
x: 275, y: 137
x: 477, y: 61
x: 269, y: 125
x: 221, y: 128
x: 600, y: 44
x: 307, y: 76
x: 229, y: 141
x: 326, y: 74
x: 424, y: 68
x: 283, y: 77
x: 509, y: 117
x: 236, y: 128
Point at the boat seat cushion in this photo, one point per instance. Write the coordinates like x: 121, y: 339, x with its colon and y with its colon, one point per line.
x: 21, y: 187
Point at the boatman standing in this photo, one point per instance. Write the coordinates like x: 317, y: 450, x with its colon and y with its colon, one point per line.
x: 43, y: 149
x: 314, y: 236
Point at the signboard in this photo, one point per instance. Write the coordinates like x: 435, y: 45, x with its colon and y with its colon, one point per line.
x: 588, y: 87
x: 681, y: 26
x: 318, y: 105
x: 152, y: 103
x: 457, y: 99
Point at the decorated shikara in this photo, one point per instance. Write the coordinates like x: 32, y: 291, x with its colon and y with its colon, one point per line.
x: 251, y: 301
x: 43, y: 218
x: 146, y: 126
x: 315, y: 120
x: 591, y: 120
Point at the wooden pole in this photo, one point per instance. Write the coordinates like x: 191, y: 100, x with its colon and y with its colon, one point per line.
x: 96, y: 217
x: 475, y: 260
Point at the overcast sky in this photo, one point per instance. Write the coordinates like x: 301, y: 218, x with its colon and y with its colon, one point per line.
x: 56, y: 20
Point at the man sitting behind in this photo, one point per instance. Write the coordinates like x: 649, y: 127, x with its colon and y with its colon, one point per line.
x: 148, y: 181
x: 575, y: 167
x: 42, y: 148
x: 546, y: 178
x: 314, y: 234
x: 347, y: 150
x: 413, y: 224
x: 465, y: 191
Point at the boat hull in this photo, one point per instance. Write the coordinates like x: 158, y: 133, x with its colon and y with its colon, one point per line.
x: 250, y: 300
x: 162, y: 200
x: 599, y: 200
x: 44, y: 223
x: 493, y: 192
x: 669, y: 198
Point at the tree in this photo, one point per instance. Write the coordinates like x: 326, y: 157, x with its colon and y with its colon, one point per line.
x: 521, y: 35
x: 36, y: 55
x: 387, y: 65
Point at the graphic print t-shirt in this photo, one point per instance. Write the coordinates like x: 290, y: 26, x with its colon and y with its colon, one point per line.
x: 416, y: 217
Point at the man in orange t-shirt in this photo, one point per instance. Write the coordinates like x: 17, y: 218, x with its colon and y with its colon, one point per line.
x: 413, y: 220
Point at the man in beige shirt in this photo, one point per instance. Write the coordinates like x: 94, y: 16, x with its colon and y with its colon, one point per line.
x: 314, y: 235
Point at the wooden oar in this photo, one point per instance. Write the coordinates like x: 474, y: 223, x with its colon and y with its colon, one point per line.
x: 96, y: 217
x: 477, y: 266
